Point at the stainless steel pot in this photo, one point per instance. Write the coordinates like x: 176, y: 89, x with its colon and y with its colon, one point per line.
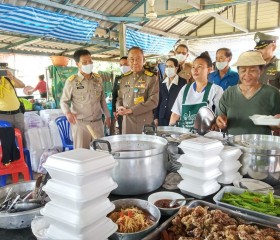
x: 17, y: 219
x: 261, y: 156
x: 142, y: 161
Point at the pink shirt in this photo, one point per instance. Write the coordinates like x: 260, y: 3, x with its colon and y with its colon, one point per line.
x: 41, y: 86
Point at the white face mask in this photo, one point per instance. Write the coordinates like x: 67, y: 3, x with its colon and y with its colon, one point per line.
x: 125, y: 69
x: 221, y: 65
x: 181, y: 57
x: 87, y: 68
x: 170, y: 72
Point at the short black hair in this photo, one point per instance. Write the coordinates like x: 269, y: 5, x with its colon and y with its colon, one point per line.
x: 79, y: 53
x: 41, y: 77
x: 206, y: 57
x: 228, y: 52
x: 174, y: 60
x: 124, y: 57
x: 182, y: 45
x: 136, y: 48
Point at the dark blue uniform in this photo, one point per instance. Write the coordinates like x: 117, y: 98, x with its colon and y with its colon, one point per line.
x: 166, y: 101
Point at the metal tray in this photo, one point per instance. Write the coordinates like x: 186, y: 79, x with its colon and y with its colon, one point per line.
x: 246, y: 219
x: 236, y: 190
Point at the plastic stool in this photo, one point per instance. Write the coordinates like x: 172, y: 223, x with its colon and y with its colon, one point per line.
x: 16, y: 167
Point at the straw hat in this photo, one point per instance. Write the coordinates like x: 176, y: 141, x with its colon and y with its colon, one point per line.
x: 249, y: 58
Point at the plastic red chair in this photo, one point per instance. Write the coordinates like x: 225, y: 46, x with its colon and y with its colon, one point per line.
x: 18, y: 166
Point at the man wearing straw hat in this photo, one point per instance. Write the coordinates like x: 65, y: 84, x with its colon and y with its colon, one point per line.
x: 266, y: 45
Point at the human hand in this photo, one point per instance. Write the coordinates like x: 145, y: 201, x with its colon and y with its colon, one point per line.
x: 214, y: 127
x: 120, y: 110
x: 72, y: 118
x: 10, y: 75
x: 221, y: 122
x: 108, y: 122
x: 116, y: 115
x: 156, y: 122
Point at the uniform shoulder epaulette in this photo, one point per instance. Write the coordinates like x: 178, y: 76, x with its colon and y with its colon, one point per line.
x: 96, y: 75
x: 127, y: 73
x: 150, y: 74
x: 72, y: 77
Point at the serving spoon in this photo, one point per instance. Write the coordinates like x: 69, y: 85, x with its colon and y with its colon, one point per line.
x: 173, y: 202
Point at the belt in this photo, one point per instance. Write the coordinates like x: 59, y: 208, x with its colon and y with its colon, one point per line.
x: 10, y: 112
x: 96, y: 120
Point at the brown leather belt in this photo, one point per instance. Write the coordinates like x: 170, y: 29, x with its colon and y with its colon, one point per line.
x: 82, y: 120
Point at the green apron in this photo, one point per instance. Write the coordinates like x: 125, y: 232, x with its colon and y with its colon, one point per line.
x: 189, y: 111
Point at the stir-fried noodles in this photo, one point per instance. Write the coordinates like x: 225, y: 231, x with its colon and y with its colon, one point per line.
x: 130, y: 220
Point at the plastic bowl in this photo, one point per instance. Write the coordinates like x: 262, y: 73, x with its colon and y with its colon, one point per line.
x: 143, y: 205
x: 167, y: 195
x: 60, y: 61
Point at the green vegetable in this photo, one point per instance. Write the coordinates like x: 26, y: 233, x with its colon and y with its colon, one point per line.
x: 259, y: 202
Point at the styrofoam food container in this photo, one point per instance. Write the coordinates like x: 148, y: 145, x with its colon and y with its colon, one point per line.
x: 39, y: 227
x: 196, y: 191
x: 79, y: 197
x: 210, y: 175
x: 229, y: 166
x: 100, y: 230
x: 201, y: 143
x: 79, y: 166
x: 76, y: 221
x: 230, y: 153
x: 167, y: 195
x: 226, y: 178
x: 199, y: 164
x: 202, y: 154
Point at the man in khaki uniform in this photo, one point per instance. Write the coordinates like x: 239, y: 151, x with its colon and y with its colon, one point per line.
x: 85, y: 93
x: 181, y: 54
x: 138, y: 94
x: 266, y: 45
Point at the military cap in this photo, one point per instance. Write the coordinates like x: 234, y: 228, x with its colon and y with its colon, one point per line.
x: 262, y: 40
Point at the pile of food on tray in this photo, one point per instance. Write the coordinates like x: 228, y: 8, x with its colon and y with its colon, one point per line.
x: 259, y: 202
x: 202, y: 223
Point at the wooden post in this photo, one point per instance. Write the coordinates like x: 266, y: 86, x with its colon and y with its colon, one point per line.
x: 122, y: 39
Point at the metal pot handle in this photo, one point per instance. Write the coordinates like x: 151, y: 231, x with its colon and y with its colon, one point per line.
x: 94, y: 142
x: 154, y: 132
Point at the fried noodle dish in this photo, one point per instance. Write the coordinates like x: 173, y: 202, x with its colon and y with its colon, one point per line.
x: 132, y: 219
x: 200, y: 223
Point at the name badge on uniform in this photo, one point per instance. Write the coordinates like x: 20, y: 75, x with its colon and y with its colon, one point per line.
x: 80, y: 87
x: 138, y: 100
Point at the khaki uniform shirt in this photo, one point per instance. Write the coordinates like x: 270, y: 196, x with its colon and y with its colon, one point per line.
x: 185, y: 73
x: 271, y: 74
x: 86, y: 97
x: 140, y: 93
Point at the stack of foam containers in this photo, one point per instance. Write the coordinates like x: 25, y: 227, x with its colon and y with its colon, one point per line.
x: 229, y: 165
x: 79, y: 188
x: 200, y: 166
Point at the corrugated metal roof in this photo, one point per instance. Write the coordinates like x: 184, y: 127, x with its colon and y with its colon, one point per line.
x: 182, y: 19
